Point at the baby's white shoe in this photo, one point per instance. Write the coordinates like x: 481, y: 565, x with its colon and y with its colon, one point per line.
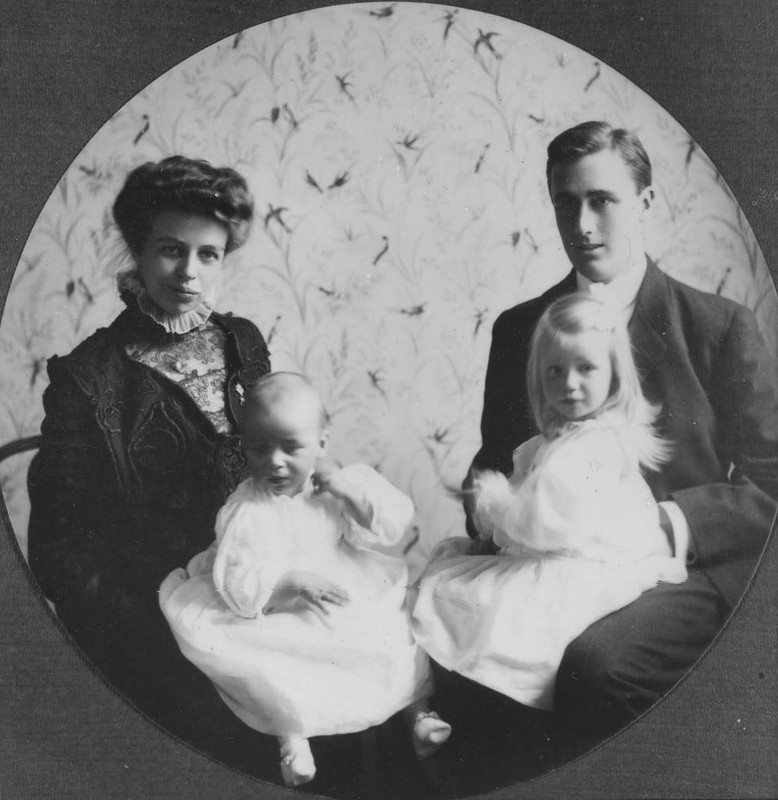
x: 429, y: 733
x: 297, y: 766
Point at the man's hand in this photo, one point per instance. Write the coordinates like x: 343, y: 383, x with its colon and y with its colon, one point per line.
x: 468, y: 502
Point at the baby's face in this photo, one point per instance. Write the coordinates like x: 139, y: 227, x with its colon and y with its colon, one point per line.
x: 282, y: 442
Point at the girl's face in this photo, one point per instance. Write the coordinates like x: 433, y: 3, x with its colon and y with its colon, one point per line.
x: 282, y: 442
x: 182, y: 260
x: 576, y: 374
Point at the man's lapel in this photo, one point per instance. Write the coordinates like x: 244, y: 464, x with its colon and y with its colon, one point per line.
x: 650, y: 325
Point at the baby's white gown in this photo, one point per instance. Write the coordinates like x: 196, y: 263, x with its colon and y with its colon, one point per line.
x: 297, y: 671
x: 577, y: 531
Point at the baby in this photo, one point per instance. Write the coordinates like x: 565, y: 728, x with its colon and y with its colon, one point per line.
x: 295, y: 613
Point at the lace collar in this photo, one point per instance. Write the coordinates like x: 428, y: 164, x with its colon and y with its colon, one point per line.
x: 307, y: 492
x: 130, y: 281
x: 607, y: 419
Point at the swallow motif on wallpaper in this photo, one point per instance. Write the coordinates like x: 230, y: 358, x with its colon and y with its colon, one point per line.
x: 274, y: 214
x: 594, y: 77
x: 383, y: 13
x: 273, y: 329
x: 409, y: 141
x: 480, y: 316
x: 341, y: 179
x: 290, y: 116
x: 449, y: 19
x: 485, y: 39
x: 344, y: 85
x: 691, y: 146
x: 311, y: 181
x: 414, y: 311
x: 382, y: 252
x: 480, y: 162
x: 143, y: 130
x: 375, y: 380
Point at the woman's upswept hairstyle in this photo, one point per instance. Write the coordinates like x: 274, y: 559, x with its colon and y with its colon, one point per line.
x: 572, y: 315
x: 593, y: 137
x: 183, y: 184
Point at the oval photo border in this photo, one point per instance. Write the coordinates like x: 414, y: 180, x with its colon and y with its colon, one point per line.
x: 65, y: 75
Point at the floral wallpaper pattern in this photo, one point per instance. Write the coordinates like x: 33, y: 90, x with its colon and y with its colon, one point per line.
x: 397, y: 156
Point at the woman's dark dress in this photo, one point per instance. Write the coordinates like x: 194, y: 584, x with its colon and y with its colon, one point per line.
x: 125, y: 488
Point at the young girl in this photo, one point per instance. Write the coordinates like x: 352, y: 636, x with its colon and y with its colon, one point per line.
x: 294, y: 613
x: 575, y: 527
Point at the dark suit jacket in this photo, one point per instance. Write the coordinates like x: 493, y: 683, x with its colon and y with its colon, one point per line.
x: 702, y: 357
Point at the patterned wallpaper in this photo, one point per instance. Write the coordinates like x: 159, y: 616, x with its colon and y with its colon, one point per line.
x: 396, y: 152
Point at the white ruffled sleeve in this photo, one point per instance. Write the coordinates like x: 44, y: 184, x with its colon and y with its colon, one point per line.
x: 391, y: 510
x: 497, y: 505
x: 250, y: 556
x: 564, y: 496
x: 573, y: 492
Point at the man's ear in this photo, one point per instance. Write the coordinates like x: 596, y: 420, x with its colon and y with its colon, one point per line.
x: 646, y: 198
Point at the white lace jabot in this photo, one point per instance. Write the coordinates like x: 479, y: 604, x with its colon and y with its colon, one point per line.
x: 173, y: 323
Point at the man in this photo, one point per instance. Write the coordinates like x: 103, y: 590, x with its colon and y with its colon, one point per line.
x: 701, y: 357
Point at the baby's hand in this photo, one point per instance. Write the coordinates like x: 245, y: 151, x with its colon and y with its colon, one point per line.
x: 315, y: 589
x: 323, y: 475
x: 321, y: 592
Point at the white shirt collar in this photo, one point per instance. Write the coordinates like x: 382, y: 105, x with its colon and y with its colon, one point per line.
x: 621, y: 292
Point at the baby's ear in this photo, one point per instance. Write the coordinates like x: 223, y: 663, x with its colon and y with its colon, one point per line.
x: 325, y: 439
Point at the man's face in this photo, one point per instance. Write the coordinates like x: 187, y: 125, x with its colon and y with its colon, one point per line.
x: 599, y: 213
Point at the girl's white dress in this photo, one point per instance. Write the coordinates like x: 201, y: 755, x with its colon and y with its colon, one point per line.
x: 298, y: 671
x: 577, y: 533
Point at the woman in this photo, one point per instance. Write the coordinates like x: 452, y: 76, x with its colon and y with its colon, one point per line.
x: 139, y: 448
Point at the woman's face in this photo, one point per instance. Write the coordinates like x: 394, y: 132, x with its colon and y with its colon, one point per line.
x: 182, y: 260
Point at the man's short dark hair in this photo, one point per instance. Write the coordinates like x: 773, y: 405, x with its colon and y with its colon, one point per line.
x: 593, y: 137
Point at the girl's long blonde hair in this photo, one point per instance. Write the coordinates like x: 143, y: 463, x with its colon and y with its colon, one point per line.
x: 572, y: 315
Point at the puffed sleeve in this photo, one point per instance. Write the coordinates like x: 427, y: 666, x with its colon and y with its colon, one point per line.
x: 391, y: 510
x: 563, y: 501
x: 250, y: 555
x: 496, y: 504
